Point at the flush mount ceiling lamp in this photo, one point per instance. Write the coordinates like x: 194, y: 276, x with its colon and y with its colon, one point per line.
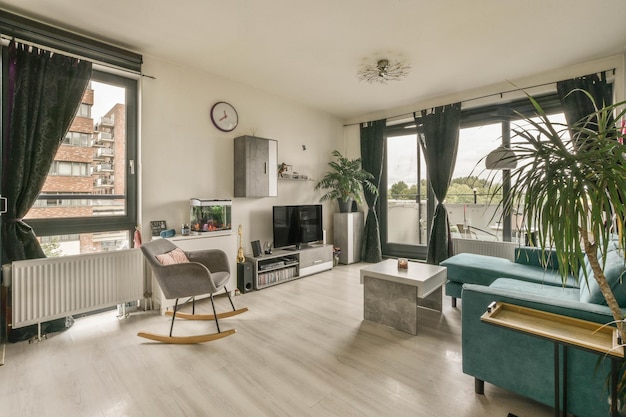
x: 384, y: 71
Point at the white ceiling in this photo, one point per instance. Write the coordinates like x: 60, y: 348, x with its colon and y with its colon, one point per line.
x: 309, y: 51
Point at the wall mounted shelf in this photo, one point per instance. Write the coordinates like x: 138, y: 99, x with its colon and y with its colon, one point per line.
x: 295, y: 179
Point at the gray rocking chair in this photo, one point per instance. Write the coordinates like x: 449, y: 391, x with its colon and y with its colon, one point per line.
x: 207, y: 272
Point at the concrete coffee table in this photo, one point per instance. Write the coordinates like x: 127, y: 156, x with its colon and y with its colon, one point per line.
x: 392, y: 295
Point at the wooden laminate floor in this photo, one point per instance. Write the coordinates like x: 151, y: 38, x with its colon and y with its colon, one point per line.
x: 302, y: 350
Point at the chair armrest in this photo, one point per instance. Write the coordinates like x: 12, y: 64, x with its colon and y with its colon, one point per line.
x: 184, y: 280
x: 215, y: 260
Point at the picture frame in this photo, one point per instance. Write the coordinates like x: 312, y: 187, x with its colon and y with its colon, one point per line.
x: 157, y: 226
x: 256, y: 248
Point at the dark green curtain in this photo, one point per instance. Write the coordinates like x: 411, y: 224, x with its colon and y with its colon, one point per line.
x: 44, y: 92
x: 438, y: 134
x: 372, y: 157
x: 576, y: 104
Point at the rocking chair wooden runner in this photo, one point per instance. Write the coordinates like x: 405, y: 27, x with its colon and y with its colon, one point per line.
x: 187, y: 275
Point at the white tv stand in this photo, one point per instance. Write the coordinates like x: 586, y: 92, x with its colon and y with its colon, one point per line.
x: 286, y: 265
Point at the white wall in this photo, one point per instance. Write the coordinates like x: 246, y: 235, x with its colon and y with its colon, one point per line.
x: 183, y: 155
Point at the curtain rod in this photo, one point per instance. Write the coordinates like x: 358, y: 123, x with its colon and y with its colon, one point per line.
x: 501, y: 94
x: 66, y: 40
x: 6, y: 38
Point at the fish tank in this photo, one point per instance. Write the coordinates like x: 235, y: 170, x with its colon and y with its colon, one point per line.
x: 209, y: 216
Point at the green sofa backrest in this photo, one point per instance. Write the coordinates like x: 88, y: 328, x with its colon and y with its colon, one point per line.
x: 614, y: 271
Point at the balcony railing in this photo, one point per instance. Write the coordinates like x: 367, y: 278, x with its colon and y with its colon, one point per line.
x: 103, y: 182
x: 406, y: 222
x: 103, y: 168
x: 100, y: 152
x: 100, y: 138
x: 107, y: 121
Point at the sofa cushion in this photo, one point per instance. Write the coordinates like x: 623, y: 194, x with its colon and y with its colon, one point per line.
x: 483, y: 270
x: 613, y: 271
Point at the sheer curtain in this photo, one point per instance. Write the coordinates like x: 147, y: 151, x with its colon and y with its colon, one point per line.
x: 44, y: 92
x: 372, y: 157
x: 438, y: 134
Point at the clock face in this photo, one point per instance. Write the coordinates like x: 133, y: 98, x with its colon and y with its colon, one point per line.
x: 224, y: 116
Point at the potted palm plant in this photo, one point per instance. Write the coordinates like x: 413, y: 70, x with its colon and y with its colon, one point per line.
x: 345, y: 182
x: 570, y: 183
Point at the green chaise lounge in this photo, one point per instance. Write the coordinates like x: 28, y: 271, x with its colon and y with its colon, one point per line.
x: 469, y: 268
x: 524, y: 364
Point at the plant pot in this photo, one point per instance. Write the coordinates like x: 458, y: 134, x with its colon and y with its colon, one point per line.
x: 345, y: 206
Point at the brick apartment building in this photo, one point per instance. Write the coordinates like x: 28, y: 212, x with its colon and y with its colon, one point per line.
x: 89, y: 162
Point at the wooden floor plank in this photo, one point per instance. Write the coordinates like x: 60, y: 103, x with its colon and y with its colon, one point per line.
x: 302, y: 350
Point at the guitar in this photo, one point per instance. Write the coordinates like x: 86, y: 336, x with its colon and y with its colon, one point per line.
x: 240, y: 256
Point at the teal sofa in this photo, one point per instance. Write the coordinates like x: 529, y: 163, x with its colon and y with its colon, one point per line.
x: 469, y: 268
x: 524, y: 364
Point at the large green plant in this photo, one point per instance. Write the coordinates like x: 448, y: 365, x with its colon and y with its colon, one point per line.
x: 570, y: 183
x: 346, y: 180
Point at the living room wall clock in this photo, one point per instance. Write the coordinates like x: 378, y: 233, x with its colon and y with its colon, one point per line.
x: 224, y: 116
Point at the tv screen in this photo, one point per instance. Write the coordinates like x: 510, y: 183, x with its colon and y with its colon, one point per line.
x: 297, y: 225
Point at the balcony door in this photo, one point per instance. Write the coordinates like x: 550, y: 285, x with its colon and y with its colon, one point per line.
x: 406, y: 202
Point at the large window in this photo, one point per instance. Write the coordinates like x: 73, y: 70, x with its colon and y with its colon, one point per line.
x: 76, y: 169
x: 407, y: 204
x: 89, y: 200
x: 77, y: 139
x: 472, y: 211
x: 84, y: 110
x: 473, y: 200
x: 88, y: 203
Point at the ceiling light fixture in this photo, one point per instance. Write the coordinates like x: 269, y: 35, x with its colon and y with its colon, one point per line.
x: 384, y: 71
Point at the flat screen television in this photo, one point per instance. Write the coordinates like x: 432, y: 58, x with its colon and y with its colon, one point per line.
x: 295, y: 226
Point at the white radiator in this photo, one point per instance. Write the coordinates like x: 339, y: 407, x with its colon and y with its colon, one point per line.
x: 51, y: 288
x: 485, y: 247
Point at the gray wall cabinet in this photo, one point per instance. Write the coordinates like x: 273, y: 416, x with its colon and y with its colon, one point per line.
x: 256, y: 167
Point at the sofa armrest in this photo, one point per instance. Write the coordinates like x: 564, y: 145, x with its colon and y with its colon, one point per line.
x: 577, y: 309
x: 524, y: 364
x: 529, y: 255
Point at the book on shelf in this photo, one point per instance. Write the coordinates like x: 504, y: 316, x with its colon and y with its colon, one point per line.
x: 271, y: 277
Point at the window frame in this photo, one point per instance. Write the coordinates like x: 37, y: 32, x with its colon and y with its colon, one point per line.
x: 470, y: 117
x: 111, y: 64
x: 394, y: 248
x: 91, y: 224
